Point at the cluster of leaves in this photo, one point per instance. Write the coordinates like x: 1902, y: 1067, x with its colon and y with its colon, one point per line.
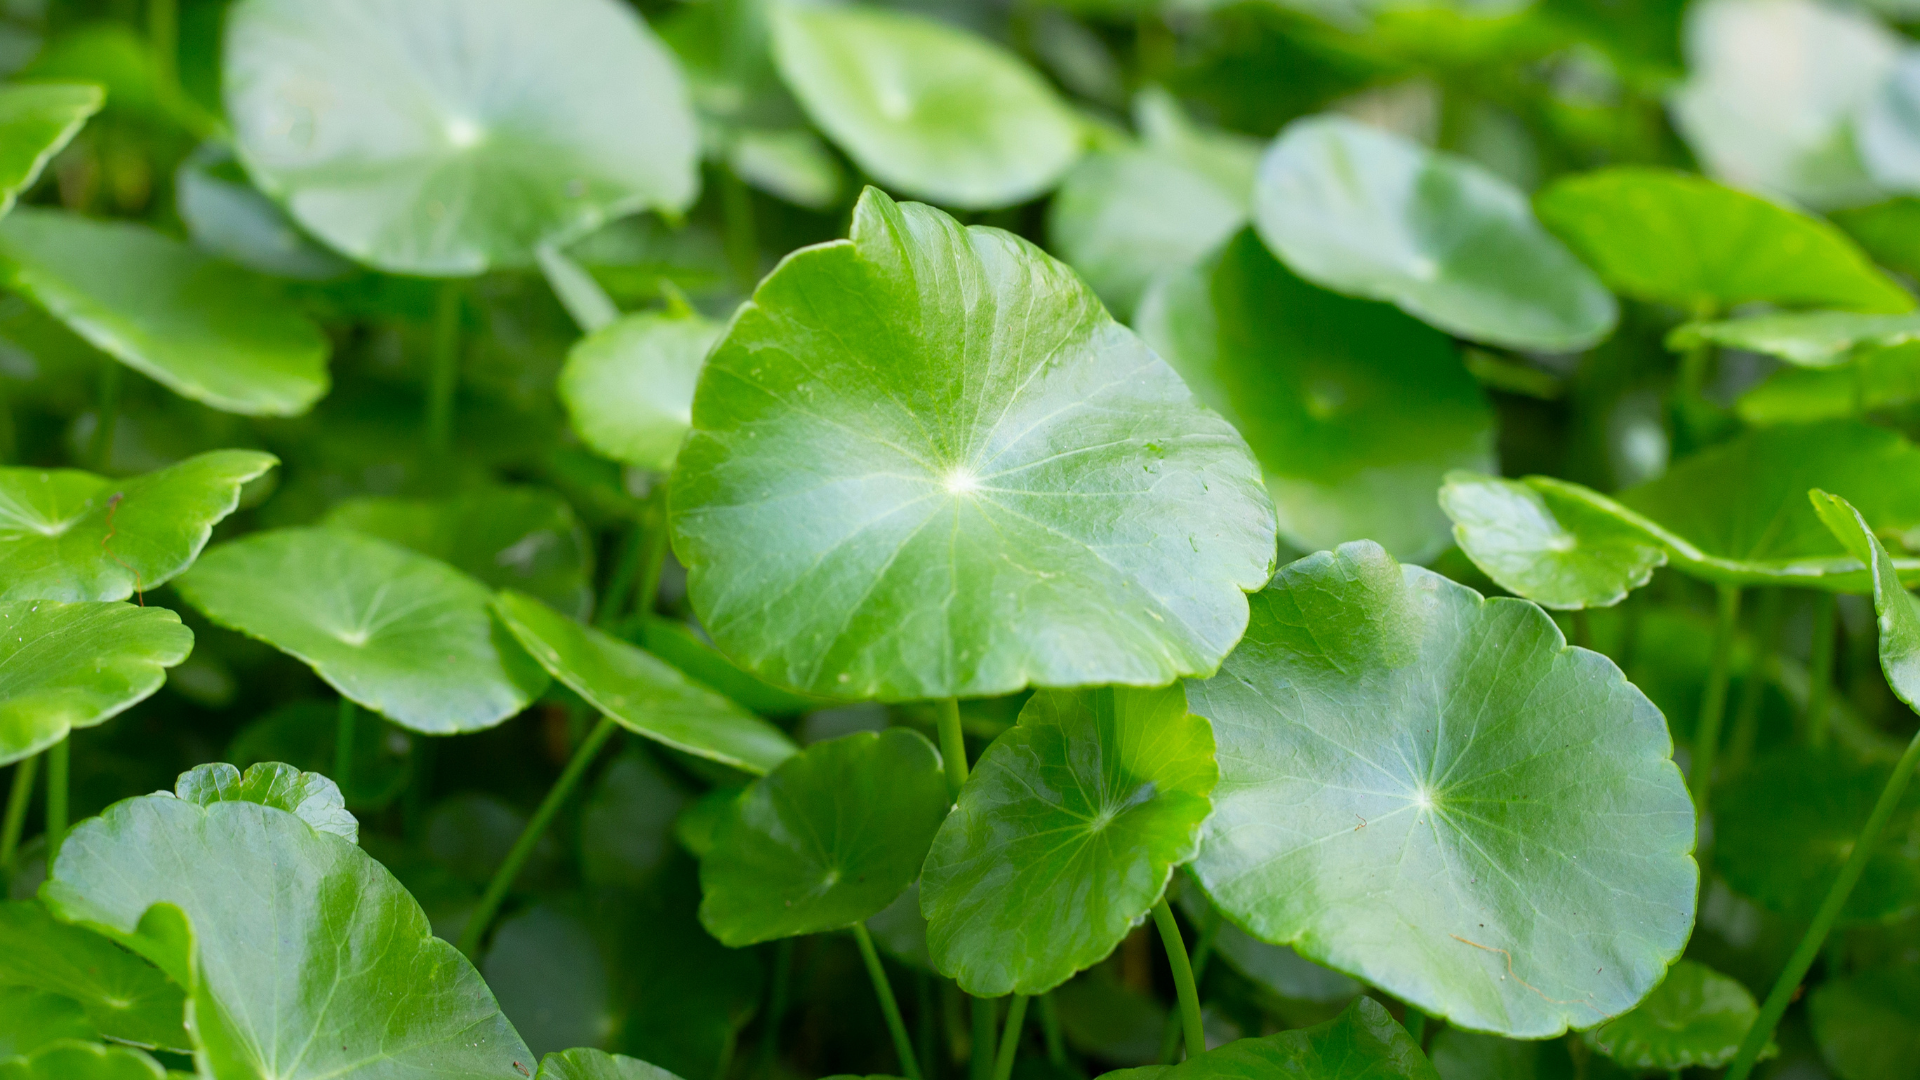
x: 999, y: 475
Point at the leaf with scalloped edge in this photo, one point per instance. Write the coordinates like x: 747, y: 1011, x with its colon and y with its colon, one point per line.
x: 308, y: 796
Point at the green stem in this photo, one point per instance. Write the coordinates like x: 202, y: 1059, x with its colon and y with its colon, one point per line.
x: 1823, y: 919
x: 1183, y: 983
x: 576, y: 289
x: 101, y: 452
x: 742, y: 240
x: 889, y: 1008
x: 58, y: 766
x: 1010, y: 1038
x: 18, y: 800
x: 444, y: 377
x: 647, y: 593
x: 633, y: 548
x: 980, y: 1065
x: 1820, y: 667
x: 1746, y: 718
x: 776, y: 1009
x: 1202, y: 952
x: 1713, y: 703
x: 503, y: 878
x: 343, y: 745
x: 953, y: 745
x: 1050, y: 1030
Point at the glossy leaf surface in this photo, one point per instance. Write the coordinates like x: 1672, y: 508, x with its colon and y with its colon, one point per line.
x: 1694, y: 1019
x: 1868, y: 1026
x: 310, y: 797
x: 72, y: 535
x: 66, y: 666
x: 37, y: 121
x: 200, y: 327
x: 598, y: 1065
x: 832, y: 836
x: 1395, y: 799
x: 628, y: 387
x: 446, y: 137
x: 74, y: 1060
x: 404, y: 635
x: 1362, y: 1043
x: 1360, y: 211
x: 1355, y: 410
x: 927, y: 109
x: 646, y: 695
x: 1065, y: 834
x: 1556, y: 543
x: 122, y: 995
x: 926, y: 463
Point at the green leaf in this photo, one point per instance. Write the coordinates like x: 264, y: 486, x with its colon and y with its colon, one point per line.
x: 72, y: 1060
x: 443, y: 139
x: 357, y: 982
x: 1679, y: 239
x: 124, y: 997
x: 926, y: 463
x: 1064, y: 835
x: 643, y: 693
x: 1556, y: 543
x: 1360, y: 211
x: 1887, y: 231
x: 677, y: 644
x: 628, y: 387
x: 1694, y: 1019
x: 1898, y: 623
x: 404, y: 635
x: 832, y: 836
x: 37, y: 121
x: 202, y: 328
x: 1432, y: 792
x: 597, y: 1065
x: 504, y: 537
x: 302, y: 733
x: 308, y: 796
x: 66, y: 666
x: 548, y: 972
x: 1868, y: 1025
x: 1874, y: 380
x: 1470, y: 1055
x: 1355, y: 410
x: 72, y: 535
x: 30, y: 1019
x: 1275, y: 968
x: 1362, y: 1043
x: 1814, y: 339
x: 927, y: 109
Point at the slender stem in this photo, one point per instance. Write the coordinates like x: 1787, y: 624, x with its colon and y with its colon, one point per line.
x: 953, y: 745
x: 1416, y: 1025
x: 1713, y: 703
x: 928, y: 1015
x: 742, y: 240
x: 18, y: 800
x: 1823, y: 919
x: 1050, y: 1030
x: 576, y: 289
x: 1202, y: 952
x: 343, y: 746
x: 1746, y: 717
x: 647, y: 593
x: 1820, y: 667
x: 503, y: 878
x: 1182, y: 978
x: 1010, y: 1038
x: 889, y: 1008
x: 980, y: 1065
x: 101, y: 452
x: 445, y: 374
x: 776, y: 1009
x: 58, y: 765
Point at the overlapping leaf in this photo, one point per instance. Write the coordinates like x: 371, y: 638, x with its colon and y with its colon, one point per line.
x: 1695, y: 1018
x: 122, y: 996
x: 70, y: 1059
x: 628, y: 387
x: 1362, y: 1043
x: 37, y: 121
x: 310, y: 797
x: 66, y: 666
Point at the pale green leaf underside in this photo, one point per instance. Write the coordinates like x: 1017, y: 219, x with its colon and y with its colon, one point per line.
x: 1432, y: 792
x: 628, y: 387
x: 1694, y: 1019
x: 926, y: 463
x: 66, y: 666
x: 124, y: 997
x: 37, y: 121
x: 308, y: 796
x: 1812, y: 339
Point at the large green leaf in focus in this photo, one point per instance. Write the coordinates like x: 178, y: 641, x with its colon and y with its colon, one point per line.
x: 1868, y: 1025
x: 124, y: 997
x: 310, y: 797
x: 1356, y: 411
x: 588, y: 1064
x: 1364, y: 212
x: 1812, y: 339
x: 205, y: 329
x: 927, y: 109
x: 407, y: 636
x: 1695, y: 1018
x: 1432, y: 792
x: 643, y: 693
x: 30, y: 1019
x: 72, y: 535
x: 66, y: 666
x: 353, y: 985
x: 37, y: 121
x: 628, y: 387
x: 832, y: 836
x: 505, y: 537
x: 1363, y: 1043
x: 1064, y: 835
x: 444, y: 137
x: 71, y: 1059
x: 1679, y: 239
x: 926, y: 463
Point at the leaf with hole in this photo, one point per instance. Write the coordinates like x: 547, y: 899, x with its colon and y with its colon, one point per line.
x: 66, y: 666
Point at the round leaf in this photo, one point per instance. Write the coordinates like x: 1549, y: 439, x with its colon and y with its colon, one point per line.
x: 71, y: 535
x: 1868, y: 1026
x: 37, y: 121
x: 1665, y: 236
x: 927, y: 109
x: 1356, y: 411
x: 1553, y: 542
x: 30, y: 1019
x: 1434, y: 793
x: 926, y: 463
x: 1817, y: 339
x: 1064, y: 836
x: 200, y: 327
x: 448, y: 136
x: 124, y: 997
x: 1360, y: 211
x: 1363, y: 1043
x: 402, y: 634
x: 71, y: 1059
x: 628, y: 387
x: 1695, y: 1018
x: 832, y: 836
x: 643, y: 693
x: 310, y: 797
x: 587, y: 1064
x: 356, y: 983
x: 66, y: 666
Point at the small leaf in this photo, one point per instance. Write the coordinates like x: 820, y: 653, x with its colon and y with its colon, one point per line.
x: 444, y: 138
x: 1362, y: 1043
x: 640, y: 691
x: 73, y: 1060
x: 1694, y: 1019
x: 71, y: 535
x: 1679, y: 239
x: 30, y: 1019
x: 598, y: 1065
x: 66, y: 666
x: 200, y: 327
x: 1432, y: 792
x: 1360, y: 211
x: 628, y: 387
x: 890, y: 492
x: 37, y: 121
x: 310, y: 797
x: 829, y: 838
x: 1553, y: 542
x: 1868, y: 1025
x: 1899, y: 625
x: 124, y: 997
x: 927, y: 109
x: 792, y: 165
x: 1065, y: 834
x: 404, y: 635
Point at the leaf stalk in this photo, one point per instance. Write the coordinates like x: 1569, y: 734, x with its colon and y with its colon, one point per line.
x: 444, y: 376
x: 953, y: 745
x: 18, y: 800
x: 58, y: 767
x: 1183, y: 982
x: 343, y: 746
x: 1010, y: 1038
x: 889, y: 1007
